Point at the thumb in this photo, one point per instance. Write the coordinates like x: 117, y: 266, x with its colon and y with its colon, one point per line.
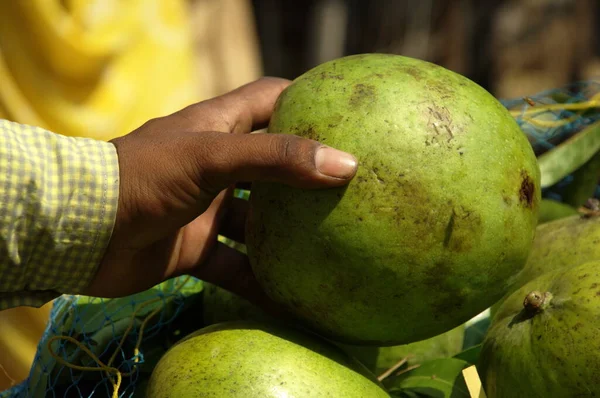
x: 227, y: 159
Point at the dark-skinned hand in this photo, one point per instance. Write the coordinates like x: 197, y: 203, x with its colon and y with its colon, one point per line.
x: 177, y: 174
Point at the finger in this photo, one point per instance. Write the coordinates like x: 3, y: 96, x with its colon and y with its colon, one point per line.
x: 234, y: 219
x: 230, y: 269
x: 201, y: 232
x: 243, y: 110
x: 224, y: 159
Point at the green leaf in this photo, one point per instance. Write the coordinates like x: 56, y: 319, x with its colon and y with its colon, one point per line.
x: 585, y: 181
x: 439, y: 378
x: 470, y: 355
x: 570, y: 155
x: 551, y: 210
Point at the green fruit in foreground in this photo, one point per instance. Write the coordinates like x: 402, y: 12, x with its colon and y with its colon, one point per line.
x: 440, y: 215
x: 246, y: 359
x: 547, y: 345
x: 220, y: 305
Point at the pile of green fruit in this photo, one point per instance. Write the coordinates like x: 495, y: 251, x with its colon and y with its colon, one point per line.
x: 381, y: 276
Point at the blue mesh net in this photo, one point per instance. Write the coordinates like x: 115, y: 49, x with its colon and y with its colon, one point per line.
x: 551, y: 117
x: 557, y: 114
x: 129, y: 335
x: 111, y: 329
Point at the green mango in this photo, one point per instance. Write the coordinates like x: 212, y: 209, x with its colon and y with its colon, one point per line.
x: 545, y: 338
x: 566, y: 242
x: 252, y: 360
x: 562, y: 243
x: 442, y: 211
x: 220, y: 305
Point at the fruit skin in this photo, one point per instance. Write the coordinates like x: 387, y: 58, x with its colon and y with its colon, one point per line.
x: 440, y: 215
x: 220, y: 305
x: 552, y: 353
x: 562, y: 243
x: 567, y: 242
x: 247, y: 359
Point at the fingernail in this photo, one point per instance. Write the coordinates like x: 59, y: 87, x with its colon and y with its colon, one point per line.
x: 334, y: 163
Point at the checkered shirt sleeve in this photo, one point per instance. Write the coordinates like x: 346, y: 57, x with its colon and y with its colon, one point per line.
x: 58, y: 202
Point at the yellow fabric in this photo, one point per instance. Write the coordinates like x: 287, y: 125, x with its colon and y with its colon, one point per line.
x: 94, y: 68
x: 89, y: 68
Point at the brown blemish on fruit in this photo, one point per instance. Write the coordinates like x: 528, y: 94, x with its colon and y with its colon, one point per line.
x: 310, y: 133
x: 451, y: 298
x: 449, y: 229
x: 362, y: 93
x: 334, y: 121
x: 444, y: 90
x: 462, y: 231
x: 328, y: 76
x: 527, y: 190
x: 414, y: 72
x: 441, y: 126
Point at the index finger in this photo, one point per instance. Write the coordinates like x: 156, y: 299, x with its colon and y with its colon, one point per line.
x: 243, y: 110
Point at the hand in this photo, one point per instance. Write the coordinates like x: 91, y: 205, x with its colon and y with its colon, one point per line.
x: 176, y: 179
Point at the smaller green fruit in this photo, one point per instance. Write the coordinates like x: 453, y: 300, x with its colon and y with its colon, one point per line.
x: 545, y: 338
x: 247, y: 359
x: 559, y: 244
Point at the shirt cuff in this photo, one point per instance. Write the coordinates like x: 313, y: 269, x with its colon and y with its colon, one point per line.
x: 60, y: 198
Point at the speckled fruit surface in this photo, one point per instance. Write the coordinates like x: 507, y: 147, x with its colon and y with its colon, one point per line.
x: 439, y: 217
x: 250, y: 360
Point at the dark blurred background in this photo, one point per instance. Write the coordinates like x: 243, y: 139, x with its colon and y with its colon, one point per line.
x: 511, y: 47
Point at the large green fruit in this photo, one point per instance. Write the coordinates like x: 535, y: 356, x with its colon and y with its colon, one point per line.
x: 545, y: 338
x: 250, y: 360
x: 440, y: 215
x: 220, y: 305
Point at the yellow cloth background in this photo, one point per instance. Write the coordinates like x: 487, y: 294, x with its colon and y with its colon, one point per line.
x: 94, y: 68
x: 101, y: 68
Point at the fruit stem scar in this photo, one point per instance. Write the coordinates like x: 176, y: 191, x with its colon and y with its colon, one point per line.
x: 536, y: 301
